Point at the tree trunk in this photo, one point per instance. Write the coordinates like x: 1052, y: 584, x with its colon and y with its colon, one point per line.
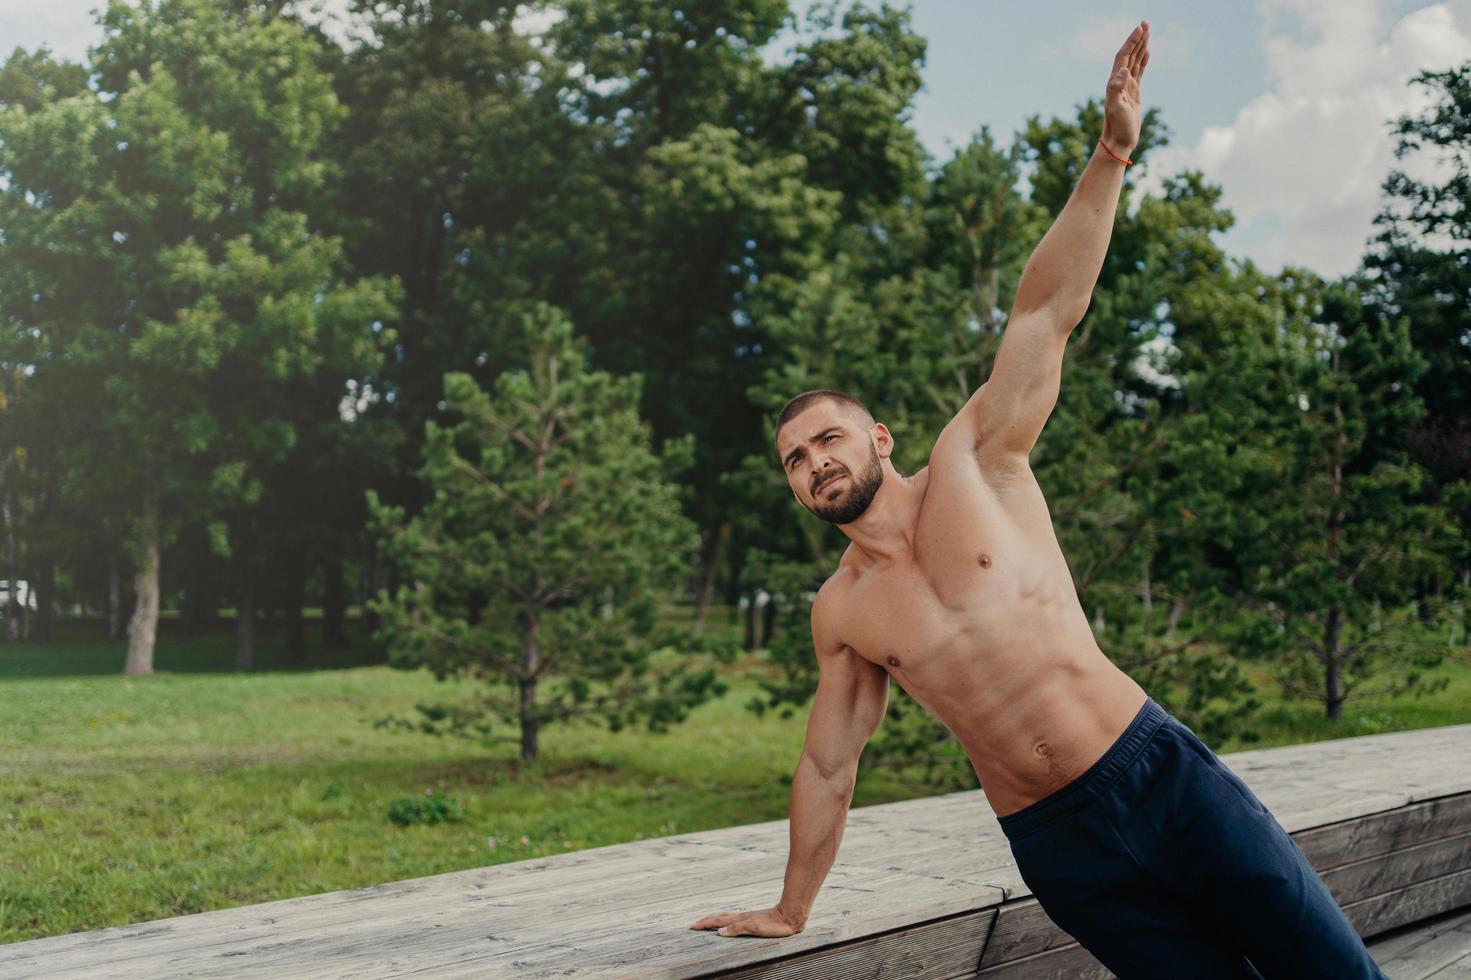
x: 9, y: 470
x: 295, y: 599
x: 245, y: 623
x: 1332, y: 682
x: 370, y: 587
x: 334, y: 603
x: 529, y: 664
x: 1332, y: 637
x: 768, y: 623
x: 45, y: 599
x: 114, y: 599
x: 710, y: 564
x: 1177, y: 609
x: 1146, y: 592
x: 245, y: 604
x: 143, y: 627
x: 11, y: 556
x: 46, y: 575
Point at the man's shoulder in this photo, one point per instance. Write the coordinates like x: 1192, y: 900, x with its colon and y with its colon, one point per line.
x: 830, y: 594
x: 959, y: 450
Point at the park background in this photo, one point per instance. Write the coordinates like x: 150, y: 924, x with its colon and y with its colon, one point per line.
x: 386, y: 447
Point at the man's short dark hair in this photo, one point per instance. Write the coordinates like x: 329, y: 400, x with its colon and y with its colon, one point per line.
x: 805, y: 400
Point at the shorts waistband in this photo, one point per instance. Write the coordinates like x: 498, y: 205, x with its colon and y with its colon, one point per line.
x: 1091, y: 784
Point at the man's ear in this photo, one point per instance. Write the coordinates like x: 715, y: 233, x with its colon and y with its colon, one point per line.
x: 883, y: 439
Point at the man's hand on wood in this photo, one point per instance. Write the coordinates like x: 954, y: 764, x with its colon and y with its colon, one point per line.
x: 769, y: 923
x: 1121, y: 117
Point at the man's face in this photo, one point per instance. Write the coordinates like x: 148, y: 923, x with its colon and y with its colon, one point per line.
x: 831, y: 462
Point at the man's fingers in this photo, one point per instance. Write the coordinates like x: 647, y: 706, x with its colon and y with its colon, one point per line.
x: 712, y: 921
x: 1142, y: 65
x: 1140, y: 54
x: 1126, y: 51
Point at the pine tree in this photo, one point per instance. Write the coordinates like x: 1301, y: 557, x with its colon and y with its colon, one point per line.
x: 550, y: 540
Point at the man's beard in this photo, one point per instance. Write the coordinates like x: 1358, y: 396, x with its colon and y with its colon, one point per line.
x: 856, y: 497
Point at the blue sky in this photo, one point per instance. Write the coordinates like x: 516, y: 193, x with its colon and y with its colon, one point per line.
x: 1285, y: 103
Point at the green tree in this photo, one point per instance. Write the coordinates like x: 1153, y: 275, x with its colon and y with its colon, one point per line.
x: 1419, y: 268
x: 35, y: 417
x: 550, y: 540
x: 714, y: 183
x: 1314, y: 515
x: 160, y: 218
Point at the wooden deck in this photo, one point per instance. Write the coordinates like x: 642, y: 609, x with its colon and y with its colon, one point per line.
x: 1439, y: 947
x: 922, y: 888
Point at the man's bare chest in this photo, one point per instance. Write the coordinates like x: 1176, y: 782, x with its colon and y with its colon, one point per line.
x: 979, y: 570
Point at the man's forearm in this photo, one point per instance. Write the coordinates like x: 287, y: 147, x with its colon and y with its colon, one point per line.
x: 819, y: 813
x: 1064, y: 267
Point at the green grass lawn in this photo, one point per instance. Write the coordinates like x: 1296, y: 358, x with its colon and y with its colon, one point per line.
x: 123, y: 800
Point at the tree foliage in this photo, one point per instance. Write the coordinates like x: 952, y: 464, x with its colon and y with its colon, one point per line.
x: 551, y: 538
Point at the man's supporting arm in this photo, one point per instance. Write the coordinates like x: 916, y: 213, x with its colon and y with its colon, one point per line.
x: 819, y: 815
x: 852, y: 697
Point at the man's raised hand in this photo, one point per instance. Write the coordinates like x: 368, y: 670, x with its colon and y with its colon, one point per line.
x: 1121, y: 117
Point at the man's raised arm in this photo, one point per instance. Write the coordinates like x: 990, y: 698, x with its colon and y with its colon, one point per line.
x: 1005, y: 416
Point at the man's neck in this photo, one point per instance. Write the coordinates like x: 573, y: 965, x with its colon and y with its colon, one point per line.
x: 885, y: 531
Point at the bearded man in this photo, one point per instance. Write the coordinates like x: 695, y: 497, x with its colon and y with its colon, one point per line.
x: 1131, y: 833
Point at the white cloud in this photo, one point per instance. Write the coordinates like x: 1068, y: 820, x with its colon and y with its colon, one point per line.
x: 67, y: 27
x: 1302, y: 164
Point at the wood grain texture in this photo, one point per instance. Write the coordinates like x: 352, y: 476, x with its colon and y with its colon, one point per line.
x: 1381, y: 833
x: 1427, y: 950
x: 930, y: 951
x: 1413, y: 903
x: 921, y: 885
x: 1070, y: 962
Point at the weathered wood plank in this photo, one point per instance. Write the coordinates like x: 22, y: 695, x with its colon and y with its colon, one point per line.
x: 1022, y: 930
x: 1380, y: 833
x: 1401, y: 955
x: 648, y: 938
x: 1459, y: 970
x: 1432, y: 956
x: 905, y: 867
x: 1421, y: 900
x: 1388, y: 873
x: 930, y: 951
x: 1071, y: 962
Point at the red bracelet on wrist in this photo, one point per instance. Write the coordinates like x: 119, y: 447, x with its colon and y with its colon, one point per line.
x: 1125, y: 162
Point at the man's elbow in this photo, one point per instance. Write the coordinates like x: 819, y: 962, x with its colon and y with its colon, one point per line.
x: 837, y: 771
x: 1070, y: 311
x: 1061, y: 314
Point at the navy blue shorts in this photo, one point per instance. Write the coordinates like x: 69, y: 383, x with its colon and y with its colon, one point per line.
x: 1162, y: 863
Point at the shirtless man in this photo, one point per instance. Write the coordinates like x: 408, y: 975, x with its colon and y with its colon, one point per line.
x: 1130, y: 832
